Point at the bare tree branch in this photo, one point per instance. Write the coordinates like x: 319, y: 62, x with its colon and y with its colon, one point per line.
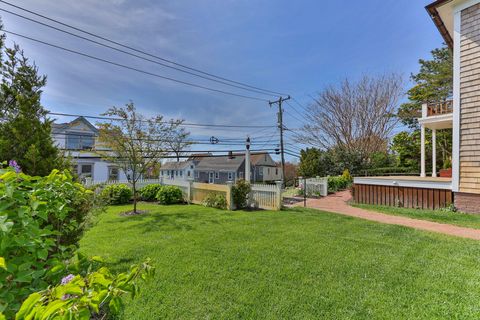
x: 355, y: 116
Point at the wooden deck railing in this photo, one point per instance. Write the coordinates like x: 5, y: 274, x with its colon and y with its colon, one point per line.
x: 439, y: 108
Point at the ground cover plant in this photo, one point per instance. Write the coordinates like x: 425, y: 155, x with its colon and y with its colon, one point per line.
x: 441, y: 216
x: 290, y: 264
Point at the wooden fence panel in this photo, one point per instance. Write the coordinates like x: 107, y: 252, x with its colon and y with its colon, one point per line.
x: 407, y: 197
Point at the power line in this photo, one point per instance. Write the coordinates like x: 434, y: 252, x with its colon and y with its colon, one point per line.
x: 170, y: 151
x: 165, y: 122
x: 135, y: 55
x: 154, y: 139
x: 297, y: 102
x: 293, y: 116
x: 292, y: 154
x: 180, y: 156
x: 133, y: 68
x: 296, y: 110
x: 138, y: 50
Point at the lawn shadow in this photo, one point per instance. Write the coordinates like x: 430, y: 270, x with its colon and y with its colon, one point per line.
x: 156, y: 220
x: 120, y: 265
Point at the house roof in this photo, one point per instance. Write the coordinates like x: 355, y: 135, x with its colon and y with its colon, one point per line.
x: 175, y: 165
x: 220, y: 163
x: 227, y: 163
x: 441, y: 13
x: 59, y: 127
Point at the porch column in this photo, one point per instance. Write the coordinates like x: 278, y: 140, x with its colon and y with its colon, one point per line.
x: 434, y: 152
x: 422, y: 151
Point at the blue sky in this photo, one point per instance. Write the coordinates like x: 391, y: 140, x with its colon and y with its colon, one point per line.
x: 296, y: 47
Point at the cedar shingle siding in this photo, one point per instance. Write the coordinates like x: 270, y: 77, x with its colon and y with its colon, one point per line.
x: 470, y: 100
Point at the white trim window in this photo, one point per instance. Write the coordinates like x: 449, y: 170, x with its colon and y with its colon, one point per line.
x: 230, y: 176
x: 217, y: 175
x: 197, y: 174
x: 113, y: 173
x: 85, y: 170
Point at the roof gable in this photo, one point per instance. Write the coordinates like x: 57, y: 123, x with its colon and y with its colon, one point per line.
x: 82, y: 124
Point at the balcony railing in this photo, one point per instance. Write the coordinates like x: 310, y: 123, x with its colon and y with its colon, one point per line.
x: 439, y: 108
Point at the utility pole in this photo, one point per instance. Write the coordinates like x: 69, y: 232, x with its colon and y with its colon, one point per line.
x: 280, y: 126
x: 247, y: 160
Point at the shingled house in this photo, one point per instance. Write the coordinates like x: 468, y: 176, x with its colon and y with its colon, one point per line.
x: 220, y: 169
x: 458, y: 21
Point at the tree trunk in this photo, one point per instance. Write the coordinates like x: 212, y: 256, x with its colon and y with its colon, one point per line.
x: 134, y: 187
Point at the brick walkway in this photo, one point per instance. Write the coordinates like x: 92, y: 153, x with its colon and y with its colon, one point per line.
x: 337, y: 203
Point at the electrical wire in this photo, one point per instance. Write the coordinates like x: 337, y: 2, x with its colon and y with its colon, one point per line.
x: 164, y: 122
x: 135, y: 55
x: 133, y: 68
x: 137, y: 50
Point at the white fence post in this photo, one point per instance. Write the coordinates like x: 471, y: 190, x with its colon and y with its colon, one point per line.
x: 189, y: 191
x: 279, y: 185
x: 230, y: 205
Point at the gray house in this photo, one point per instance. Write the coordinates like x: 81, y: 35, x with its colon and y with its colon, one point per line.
x: 220, y: 169
x: 215, y: 169
x: 180, y: 171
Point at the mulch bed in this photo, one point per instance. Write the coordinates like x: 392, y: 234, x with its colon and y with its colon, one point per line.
x: 131, y: 213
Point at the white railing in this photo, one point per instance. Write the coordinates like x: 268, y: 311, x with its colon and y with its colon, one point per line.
x: 266, y: 196
x: 263, y: 196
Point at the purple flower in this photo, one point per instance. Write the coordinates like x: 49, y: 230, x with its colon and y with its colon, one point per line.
x: 15, y: 166
x: 67, y: 296
x: 67, y: 279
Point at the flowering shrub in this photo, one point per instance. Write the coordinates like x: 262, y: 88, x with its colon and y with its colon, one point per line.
x: 169, y: 195
x: 215, y: 200
x: 15, y: 166
x: 87, y: 295
x: 338, y: 183
x: 117, y: 194
x: 149, y: 192
x: 41, y: 221
x: 240, y: 192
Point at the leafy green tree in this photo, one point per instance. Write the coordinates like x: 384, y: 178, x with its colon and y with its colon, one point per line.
x: 311, y: 162
x: 25, y: 130
x: 136, y: 143
x: 433, y: 83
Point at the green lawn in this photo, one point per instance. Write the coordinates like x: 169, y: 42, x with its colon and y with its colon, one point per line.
x: 455, y: 218
x: 294, y: 264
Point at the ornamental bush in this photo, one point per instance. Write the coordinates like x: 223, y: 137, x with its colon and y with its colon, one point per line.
x: 41, y: 221
x: 86, y: 294
x: 149, y: 192
x: 338, y: 183
x: 169, y: 195
x: 215, y: 200
x: 117, y: 194
x: 240, y: 192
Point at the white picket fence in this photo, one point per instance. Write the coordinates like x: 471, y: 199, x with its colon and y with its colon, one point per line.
x: 315, y: 186
x: 263, y: 196
x: 266, y: 196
